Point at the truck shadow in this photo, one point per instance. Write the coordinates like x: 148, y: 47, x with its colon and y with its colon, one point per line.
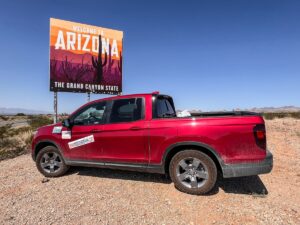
x: 120, y: 174
x: 251, y: 185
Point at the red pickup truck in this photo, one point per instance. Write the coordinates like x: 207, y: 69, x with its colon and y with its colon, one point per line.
x: 141, y: 132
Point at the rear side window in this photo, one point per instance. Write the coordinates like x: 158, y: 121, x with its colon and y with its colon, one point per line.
x: 164, y: 108
x: 127, y: 110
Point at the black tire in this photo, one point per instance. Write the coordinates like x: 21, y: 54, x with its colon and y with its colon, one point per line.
x: 190, y: 178
x: 55, y: 166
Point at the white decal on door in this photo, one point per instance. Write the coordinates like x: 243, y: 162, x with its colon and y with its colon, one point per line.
x: 81, y: 141
x: 66, y: 134
x: 56, y: 130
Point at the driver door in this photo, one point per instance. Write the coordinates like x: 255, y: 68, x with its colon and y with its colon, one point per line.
x: 83, y: 143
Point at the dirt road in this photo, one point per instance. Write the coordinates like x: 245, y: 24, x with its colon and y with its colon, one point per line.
x: 98, y: 196
x: 15, y: 123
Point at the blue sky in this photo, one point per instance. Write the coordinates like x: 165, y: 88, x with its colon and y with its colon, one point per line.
x: 208, y: 55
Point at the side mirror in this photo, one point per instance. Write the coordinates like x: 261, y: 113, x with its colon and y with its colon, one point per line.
x: 67, y: 123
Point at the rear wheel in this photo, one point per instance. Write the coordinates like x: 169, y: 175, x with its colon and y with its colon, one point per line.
x: 50, y: 162
x: 193, y: 172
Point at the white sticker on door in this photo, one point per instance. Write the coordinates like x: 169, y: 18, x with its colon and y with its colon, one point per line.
x: 66, y: 134
x: 81, y: 141
x: 57, y: 130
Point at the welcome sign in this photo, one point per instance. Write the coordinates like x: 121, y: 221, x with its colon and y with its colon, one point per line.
x: 85, y: 58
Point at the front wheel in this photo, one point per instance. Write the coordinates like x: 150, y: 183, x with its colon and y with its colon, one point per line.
x: 193, y: 172
x: 50, y: 162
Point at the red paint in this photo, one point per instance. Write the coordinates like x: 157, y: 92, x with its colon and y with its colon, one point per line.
x: 145, y: 141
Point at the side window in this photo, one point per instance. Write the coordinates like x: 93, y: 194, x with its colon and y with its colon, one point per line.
x: 127, y: 110
x: 164, y: 108
x: 90, y: 115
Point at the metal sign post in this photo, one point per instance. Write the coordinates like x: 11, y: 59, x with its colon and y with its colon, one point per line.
x: 88, y: 96
x: 55, y: 107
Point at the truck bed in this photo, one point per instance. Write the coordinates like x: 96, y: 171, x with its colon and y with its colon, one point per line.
x: 223, y: 114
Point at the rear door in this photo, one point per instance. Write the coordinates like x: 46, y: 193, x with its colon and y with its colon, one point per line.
x: 163, y: 127
x: 125, y: 133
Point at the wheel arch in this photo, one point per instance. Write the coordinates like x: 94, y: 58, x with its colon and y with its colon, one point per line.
x: 42, y: 144
x: 181, y: 146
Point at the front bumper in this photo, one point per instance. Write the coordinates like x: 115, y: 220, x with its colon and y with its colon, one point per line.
x: 248, y: 169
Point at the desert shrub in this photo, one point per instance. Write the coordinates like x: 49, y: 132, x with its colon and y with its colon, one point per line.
x: 28, y: 140
x: 6, y: 143
x: 4, y: 131
x: 268, y: 116
x: 62, y: 117
x: 16, y: 131
x: 295, y: 115
x: 6, y: 154
x: 20, y: 114
x: 14, y: 141
x: 7, y: 131
x: 39, y: 121
x: 272, y: 115
x: 4, y: 117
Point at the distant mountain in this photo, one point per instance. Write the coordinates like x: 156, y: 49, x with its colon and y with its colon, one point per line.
x: 256, y: 109
x: 276, y: 109
x: 13, y: 111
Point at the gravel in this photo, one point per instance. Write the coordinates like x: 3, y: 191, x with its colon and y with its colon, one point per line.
x: 103, y: 196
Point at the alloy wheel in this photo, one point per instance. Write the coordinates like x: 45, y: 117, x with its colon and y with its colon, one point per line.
x: 51, y: 162
x: 191, y: 172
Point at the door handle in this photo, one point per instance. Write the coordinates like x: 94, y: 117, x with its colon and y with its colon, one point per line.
x: 135, y: 128
x: 95, y: 131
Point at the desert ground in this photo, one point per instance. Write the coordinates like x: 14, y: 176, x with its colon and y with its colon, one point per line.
x: 103, y: 196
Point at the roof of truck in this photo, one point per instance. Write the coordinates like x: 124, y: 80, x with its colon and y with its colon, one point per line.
x: 117, y: 97
x: 127, y: 96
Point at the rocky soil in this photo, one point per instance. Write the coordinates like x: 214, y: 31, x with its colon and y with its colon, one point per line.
x: 103, y: 196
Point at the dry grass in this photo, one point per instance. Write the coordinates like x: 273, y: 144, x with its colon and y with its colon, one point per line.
x: 15, y: 141
x: 280, y: 115
x: 3, y: 118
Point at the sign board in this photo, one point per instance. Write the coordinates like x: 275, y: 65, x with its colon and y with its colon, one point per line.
x: 85, y: 58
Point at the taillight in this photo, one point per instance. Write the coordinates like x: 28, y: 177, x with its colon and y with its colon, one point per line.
x: 259, y: 132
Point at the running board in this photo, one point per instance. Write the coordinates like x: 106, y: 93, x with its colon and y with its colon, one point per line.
x: 121, y: 166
